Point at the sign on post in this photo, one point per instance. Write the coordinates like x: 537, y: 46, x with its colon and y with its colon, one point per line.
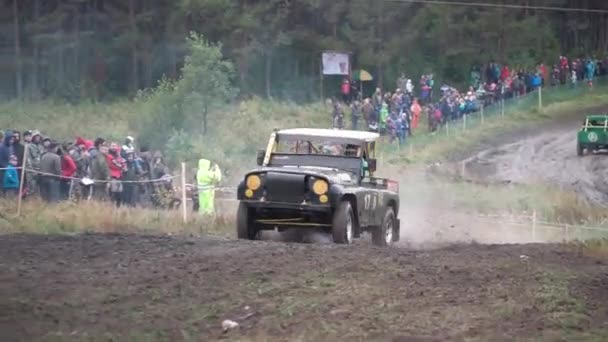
x: 336, y: 63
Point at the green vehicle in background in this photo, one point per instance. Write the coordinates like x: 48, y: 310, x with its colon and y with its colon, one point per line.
x: 593, y: 135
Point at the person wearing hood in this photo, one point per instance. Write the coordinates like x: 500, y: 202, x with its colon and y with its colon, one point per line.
x: 416, y: 110
x: 7, y: 149
x: 208, y: 177
x: 100, y: 173
x: 68, y: 171
x: 383, y: 118
x: 32, y: 162
x: 409, y: 86
x: 131, y: 174
x: 80, y: 155
x: 10, y: 179
x: 128, y: 147
x: 50, y: 167
x: 18, y: 148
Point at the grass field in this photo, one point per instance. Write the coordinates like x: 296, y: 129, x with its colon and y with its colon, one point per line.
x: 67, y: 218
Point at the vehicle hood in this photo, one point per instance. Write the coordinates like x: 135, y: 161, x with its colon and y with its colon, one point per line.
x: 334, y: 176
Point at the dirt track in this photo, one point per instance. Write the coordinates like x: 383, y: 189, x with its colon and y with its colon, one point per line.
x: 544, y: 156
x: 126, y: 287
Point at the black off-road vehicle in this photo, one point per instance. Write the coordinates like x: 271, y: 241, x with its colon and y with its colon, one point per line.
x: 319, y: 178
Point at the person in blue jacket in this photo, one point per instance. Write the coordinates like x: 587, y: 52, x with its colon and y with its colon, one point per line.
x: 589, y: 70
x: 10, y: 179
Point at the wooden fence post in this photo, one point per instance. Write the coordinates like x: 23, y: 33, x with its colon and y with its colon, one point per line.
x: 534, y: 226
x: 22, y: 180
x: 184, y: 202
x: 463, y: 169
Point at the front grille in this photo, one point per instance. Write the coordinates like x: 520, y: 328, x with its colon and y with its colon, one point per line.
x: 285, y: 187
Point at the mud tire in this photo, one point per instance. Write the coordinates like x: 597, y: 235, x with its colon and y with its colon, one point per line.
x: 343, y: 224
x: 580, y: 151
x: 245, y: 227
x: 384, y: 235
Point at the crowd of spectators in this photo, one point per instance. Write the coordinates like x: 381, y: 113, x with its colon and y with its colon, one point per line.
x: 83, y: 170
x: 398, y: 114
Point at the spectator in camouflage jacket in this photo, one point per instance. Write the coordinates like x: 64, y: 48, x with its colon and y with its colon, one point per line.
x: 100, y: 173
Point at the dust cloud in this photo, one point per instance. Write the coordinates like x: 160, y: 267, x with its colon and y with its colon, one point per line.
x: 431, y: 219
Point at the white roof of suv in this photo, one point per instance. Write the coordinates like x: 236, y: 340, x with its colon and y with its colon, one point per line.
x: 308, y: 133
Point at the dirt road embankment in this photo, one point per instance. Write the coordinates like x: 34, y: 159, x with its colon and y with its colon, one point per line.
x: 544, y: 155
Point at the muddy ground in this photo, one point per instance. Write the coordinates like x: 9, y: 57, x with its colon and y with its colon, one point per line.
x: 140, y: 288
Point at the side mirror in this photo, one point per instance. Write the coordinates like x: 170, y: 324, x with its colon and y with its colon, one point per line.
x: 260, y: 157
x: 371, y: 165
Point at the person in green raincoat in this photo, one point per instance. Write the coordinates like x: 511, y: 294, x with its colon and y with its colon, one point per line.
x: 383, y: 117
x: 208, y: 176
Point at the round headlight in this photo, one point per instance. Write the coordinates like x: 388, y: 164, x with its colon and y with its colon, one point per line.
x: 253, y: 182
x: 320, y: 187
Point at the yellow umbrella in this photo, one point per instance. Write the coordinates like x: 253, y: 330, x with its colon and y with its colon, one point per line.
x: 362, y: 76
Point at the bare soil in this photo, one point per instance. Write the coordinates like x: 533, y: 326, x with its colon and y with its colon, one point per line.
x: 131, y: 288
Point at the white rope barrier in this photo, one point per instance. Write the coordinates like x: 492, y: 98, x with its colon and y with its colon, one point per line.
x: 100, y: 180
x: 220, y: 189
x: 160, y: 180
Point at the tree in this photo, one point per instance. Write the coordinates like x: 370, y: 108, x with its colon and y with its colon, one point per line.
x: 17, y: 37
x: 182, y: 105
x: 62, y: 48
x: 207, y: 78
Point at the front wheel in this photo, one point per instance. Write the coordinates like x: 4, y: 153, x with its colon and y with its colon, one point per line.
x: 384, y: 235
x: 579, y: 149
x: 343, y: 223
x: 245, y: 227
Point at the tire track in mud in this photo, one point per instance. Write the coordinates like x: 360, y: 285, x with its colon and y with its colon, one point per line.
x: 548, y: 157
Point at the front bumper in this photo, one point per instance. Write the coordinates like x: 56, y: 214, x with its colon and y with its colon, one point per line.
x: 299, y: 207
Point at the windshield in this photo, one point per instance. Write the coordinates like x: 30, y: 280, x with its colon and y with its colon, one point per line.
x: 318, y: 147
x: 596, y: 122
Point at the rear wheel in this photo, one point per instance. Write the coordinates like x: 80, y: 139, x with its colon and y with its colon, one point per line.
x: 579, y: 149
x: 245, y: 227
x: 384, y: 235
x: 343, y: 223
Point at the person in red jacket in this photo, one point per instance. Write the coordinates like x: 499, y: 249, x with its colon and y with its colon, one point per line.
x: 117, y: 165
x: 345, y: 90
x: 504, y: 73
x: 68, y: 170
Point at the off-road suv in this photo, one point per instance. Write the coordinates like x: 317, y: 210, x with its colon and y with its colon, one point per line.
x: 593, y: 135
x: 319, y: 178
